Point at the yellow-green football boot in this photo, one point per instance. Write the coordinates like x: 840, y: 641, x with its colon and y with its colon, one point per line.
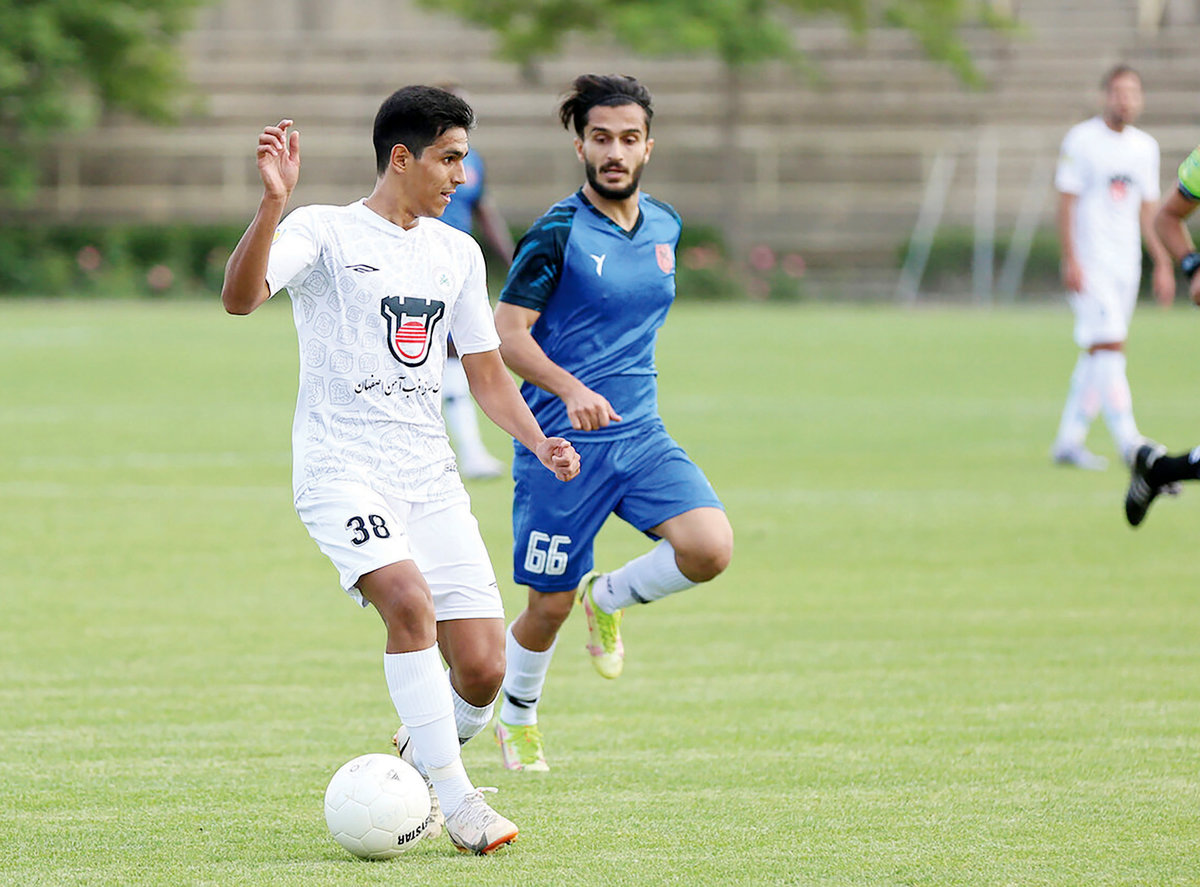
x: 604, y: 632
x: 521, y: 746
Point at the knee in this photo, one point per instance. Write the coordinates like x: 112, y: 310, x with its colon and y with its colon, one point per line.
x: 477, y: 677
x: 551, y: 609
x: 544, y: 614
x: 405, y: 607
x: 708, y: 559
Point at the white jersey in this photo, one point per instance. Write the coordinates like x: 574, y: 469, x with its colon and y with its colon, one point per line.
x: 373, y: 303
x: 1112, y: 174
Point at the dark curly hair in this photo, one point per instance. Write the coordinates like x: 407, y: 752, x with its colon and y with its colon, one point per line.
x: 416, y: 117
x: 590, y: 90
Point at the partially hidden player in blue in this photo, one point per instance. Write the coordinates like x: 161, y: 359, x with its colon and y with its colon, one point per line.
x: 471, y: 210
x: 578, y: 318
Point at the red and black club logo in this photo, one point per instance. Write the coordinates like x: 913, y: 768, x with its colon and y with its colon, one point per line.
x: 410, y: 327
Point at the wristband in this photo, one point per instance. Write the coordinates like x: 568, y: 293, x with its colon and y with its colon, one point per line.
x: 1190, y: 264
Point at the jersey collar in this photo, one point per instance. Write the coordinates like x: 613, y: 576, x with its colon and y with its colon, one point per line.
x: 375, y: 220
x: 628, y: 234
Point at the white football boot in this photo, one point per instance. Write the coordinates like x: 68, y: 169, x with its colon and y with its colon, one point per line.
x: 476, y: 828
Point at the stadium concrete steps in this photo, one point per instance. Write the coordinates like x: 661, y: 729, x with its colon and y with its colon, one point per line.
x: 834, y: 167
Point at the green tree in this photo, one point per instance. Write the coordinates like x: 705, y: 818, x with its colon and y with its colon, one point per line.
x: 738, y: 32
x: 742, y: 34
x: 63, y: 62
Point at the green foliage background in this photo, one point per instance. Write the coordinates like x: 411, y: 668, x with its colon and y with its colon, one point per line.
x: 63, y: 62
x: 100, y: 261
x: 739, y: 32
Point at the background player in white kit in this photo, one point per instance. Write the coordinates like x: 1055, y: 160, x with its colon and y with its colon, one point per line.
x: 1107, y: 179
x: 375, y: 288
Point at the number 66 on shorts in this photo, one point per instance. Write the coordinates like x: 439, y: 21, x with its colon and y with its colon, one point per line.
x: 545, y: 555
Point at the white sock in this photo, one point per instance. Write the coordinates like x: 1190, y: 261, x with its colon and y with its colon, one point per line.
x: 650, y: 577
x: 1117, y: 400
x: 459, y: 410
x: 454, y: 379
x: 1083, y: 403
x: 469, y: 719
x: 421, y: 694
x: 524, y: 678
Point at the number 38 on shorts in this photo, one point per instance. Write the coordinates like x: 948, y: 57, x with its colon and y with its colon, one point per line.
x: 361, y: 533
x: 546, y: 555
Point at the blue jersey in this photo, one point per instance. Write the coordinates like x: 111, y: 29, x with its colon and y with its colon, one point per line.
x: 460, y: 212
x: 602, y: 293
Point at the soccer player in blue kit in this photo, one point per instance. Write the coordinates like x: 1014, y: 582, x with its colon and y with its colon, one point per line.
x: 471, y: 209
x: 591, y: 283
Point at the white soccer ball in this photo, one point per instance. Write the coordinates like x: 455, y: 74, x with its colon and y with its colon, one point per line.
x: 377, y: 806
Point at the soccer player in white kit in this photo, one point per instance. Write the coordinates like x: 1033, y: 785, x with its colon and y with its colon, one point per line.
x: 1108, y: 184
x: 375, y: 288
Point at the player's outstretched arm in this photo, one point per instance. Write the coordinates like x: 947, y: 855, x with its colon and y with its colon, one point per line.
x: 1170, y: 224
x: 586, y: 409
x: 278, y: 155
x: 497, y: 394
x: 494, y: 229
x: 1163, y: 275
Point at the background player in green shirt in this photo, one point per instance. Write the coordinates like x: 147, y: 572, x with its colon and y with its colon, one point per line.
x: 1153, y: 469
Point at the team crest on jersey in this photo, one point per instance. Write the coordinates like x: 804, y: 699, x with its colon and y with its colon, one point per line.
x: 410, y: 325
x: 1118, y: 186
x: 443, y: 280
x: 665, y: 256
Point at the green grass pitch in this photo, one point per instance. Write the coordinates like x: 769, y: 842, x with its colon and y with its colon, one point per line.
x: 935, y: 660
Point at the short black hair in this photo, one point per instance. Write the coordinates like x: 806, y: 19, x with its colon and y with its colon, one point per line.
x: 609, y: 90
x: 416, y: 117
x: 1118, y: 71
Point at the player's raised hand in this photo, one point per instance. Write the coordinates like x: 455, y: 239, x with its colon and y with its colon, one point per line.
x: 559, y: 456
x: 588, y: 410
x: 278, y: 158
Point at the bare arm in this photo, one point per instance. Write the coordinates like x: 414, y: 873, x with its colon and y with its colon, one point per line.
x: 494, y: 391
x: 1170, y: 224
x: 245, y: 286
x: 1163, y: 280
x: 494, y: 229
x: 1072, y: 274
x: 586, y: 409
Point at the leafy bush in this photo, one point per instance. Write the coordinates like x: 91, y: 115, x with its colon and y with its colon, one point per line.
x: 182, y: 260
x: 706, y: 271
x: 952, y: 256
x: 94, y: 260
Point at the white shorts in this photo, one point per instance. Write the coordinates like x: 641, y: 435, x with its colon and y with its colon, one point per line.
x: 1104, y: 309
x: 361, y: 529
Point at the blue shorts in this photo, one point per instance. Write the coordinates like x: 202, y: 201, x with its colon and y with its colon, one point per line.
x: 644, y: 479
